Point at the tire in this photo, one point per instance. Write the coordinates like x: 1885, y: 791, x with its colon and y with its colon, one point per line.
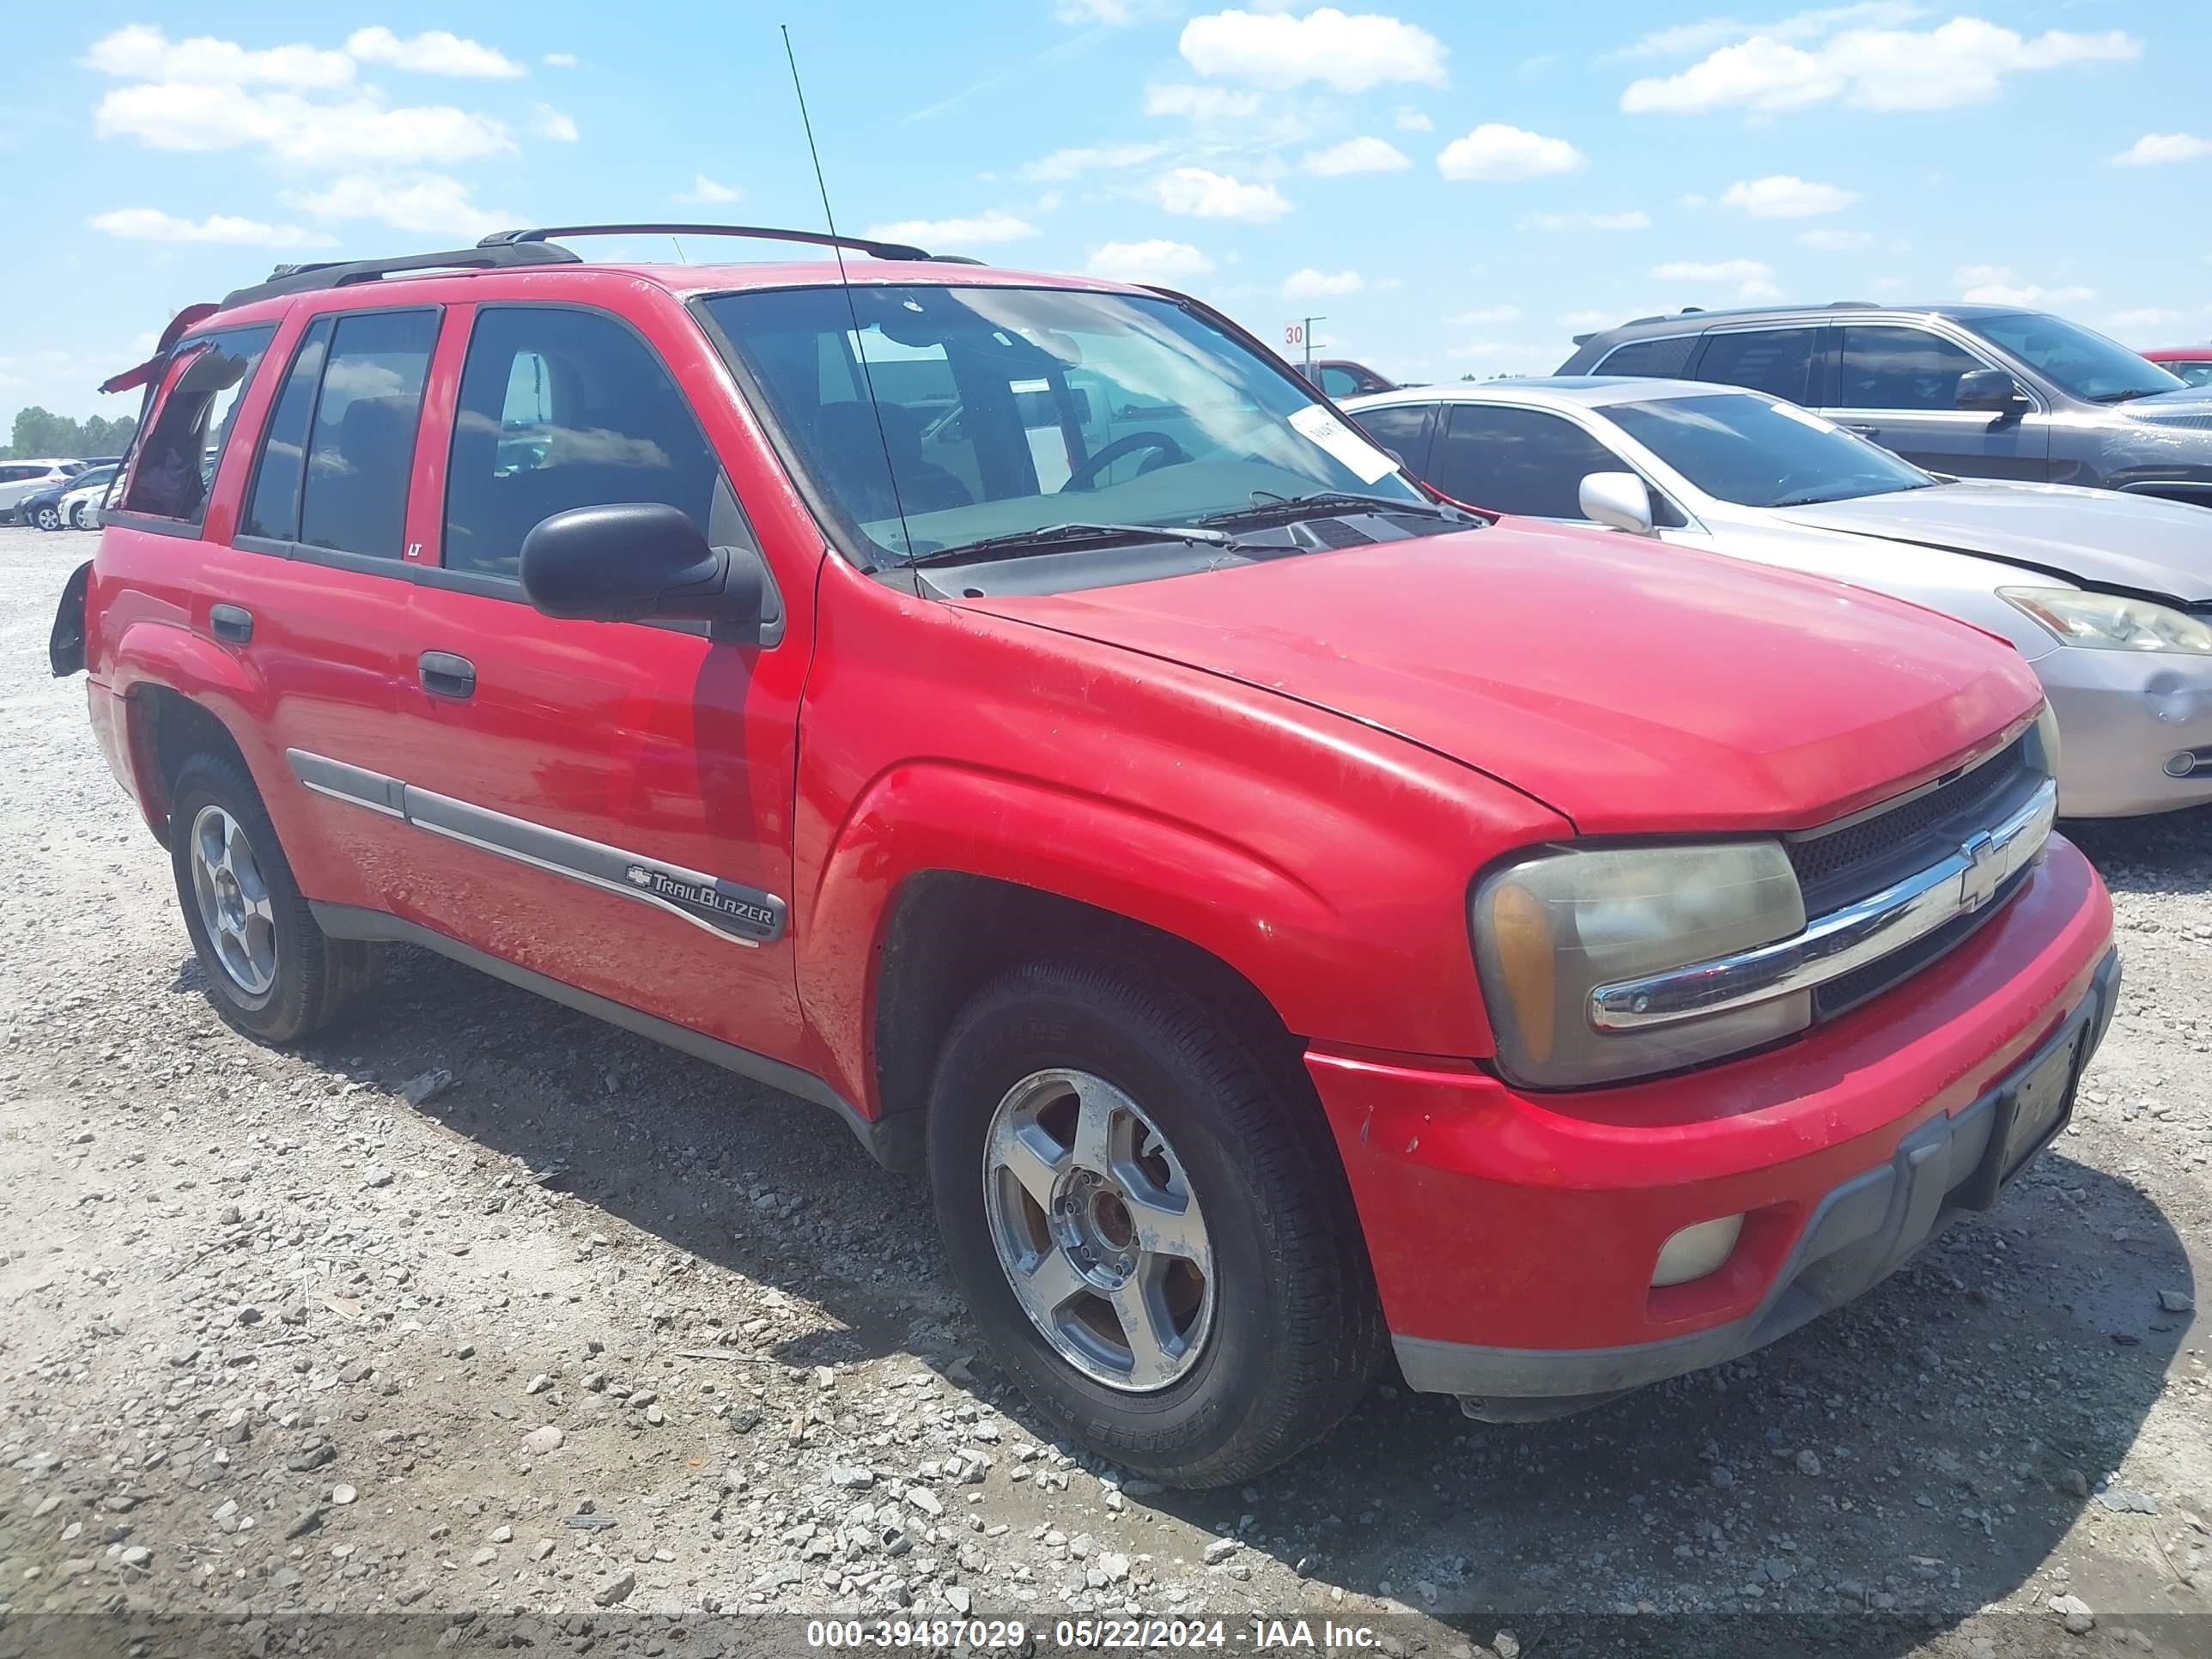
x: 76, y: 518
x: 277, y: 977
x: 48, y: 518
x: 1267, y: 1345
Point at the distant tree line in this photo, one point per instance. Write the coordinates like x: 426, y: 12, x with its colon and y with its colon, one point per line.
x: 39, y: 433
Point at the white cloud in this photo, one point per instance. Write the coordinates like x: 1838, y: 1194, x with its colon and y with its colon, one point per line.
x: 1686, y: 40
x: 1154, y: 261
x: 1586, y: 320
x: 1752, y: 279
x: 1634, y: 219
x: 1692, y: 201
x: 1999, y: 285
x: 549, y: 122
x: 1356, y: 156
x: 152, y: 225
x: 187, y: 116
x: 1963, y: 61
x: 1279, y: 50
x: 1311, y: 284
x: 433, y: 203
x: 1201, y: 103
x: 2156, y: 148
x: 1204, y: 195
x: 1834, y: 241
x: 140, y: 52
x: 1495, y: 151
x: 1064, y: 164
x: 2144, y: 317
x: 434, y: 51
x: 560, y: 60
x: 1785, y: 196
x: 706, y: 190
x: 1407, y: 118
x: 1482, y: 314
x: 993, y: 225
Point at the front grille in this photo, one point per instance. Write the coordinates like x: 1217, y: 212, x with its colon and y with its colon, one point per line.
x: 1861, y: 984
x: 1836, y: 867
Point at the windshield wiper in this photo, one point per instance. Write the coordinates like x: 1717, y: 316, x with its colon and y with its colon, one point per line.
x: 2128, y: 394
x: 1325, y: 504
x: 1071, y: 535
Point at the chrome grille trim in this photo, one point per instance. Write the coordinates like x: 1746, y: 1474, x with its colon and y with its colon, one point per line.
x: 1842, y: 940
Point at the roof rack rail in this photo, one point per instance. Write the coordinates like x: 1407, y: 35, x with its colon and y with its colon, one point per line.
x: 762, y: 233
x: 1854, y: 305
x: 344, y: 273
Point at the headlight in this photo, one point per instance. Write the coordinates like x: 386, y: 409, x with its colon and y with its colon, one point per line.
x: 2106, y: 621
x: 1552, y: 928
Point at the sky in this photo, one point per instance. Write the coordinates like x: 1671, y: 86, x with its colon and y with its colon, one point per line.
x: 1455, y: 186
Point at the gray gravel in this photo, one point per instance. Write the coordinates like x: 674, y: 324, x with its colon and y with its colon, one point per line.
x: 480, y: 1306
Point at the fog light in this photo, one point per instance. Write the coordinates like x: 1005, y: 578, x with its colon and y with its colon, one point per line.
x: 1696, y: 1251
x: 2181, y: 765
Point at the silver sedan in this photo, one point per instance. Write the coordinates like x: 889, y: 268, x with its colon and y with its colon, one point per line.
x: 2108, y: 596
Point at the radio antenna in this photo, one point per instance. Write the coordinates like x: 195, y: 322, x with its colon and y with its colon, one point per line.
x: 845, y: 282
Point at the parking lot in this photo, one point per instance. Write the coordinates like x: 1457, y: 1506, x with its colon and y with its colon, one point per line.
x: 376, y: 1326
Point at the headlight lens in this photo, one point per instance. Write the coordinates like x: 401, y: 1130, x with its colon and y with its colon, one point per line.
x: 1552, y: 928
x: 2106, y: 621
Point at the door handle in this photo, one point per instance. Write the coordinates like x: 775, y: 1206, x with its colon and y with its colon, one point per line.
x: 233, y: 622
x: 1863, y: 431
x: 445, y: 675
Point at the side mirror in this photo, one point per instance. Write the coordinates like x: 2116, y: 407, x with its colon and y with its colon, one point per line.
x: 1988, y: 388
x: 638, y: 562
x: 1619, y: 499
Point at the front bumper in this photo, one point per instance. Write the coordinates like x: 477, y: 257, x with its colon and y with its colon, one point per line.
x: 2122, y: 714
x: 1514, y: 1234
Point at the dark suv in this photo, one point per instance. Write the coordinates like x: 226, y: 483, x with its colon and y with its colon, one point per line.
x: 1987, y: 392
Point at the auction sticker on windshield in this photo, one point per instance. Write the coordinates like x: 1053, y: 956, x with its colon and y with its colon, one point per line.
x: 1342, y: 442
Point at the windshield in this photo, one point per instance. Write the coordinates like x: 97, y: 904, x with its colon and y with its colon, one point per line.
x: 1755, y: 451
x: 2075, y: 359
x: 999, y: 412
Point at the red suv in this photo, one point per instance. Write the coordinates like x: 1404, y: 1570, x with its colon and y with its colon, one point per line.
x: 1289, y: 920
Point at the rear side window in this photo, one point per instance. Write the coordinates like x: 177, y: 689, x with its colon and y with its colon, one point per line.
x: 273, y: 509
x: 1775, y: 361
x: 1901, y: 368
x: 1403, y: 429
x: 361, y: 445
x: 1517, y: 460
x: 563, y: 409
x: 1650, y: 359
x: 171, y: 469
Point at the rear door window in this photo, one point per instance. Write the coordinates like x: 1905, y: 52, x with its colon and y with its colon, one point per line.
x: 1403, y: 429
x: 1775, y: 361
x: 171, y: 472
x: 559, y: 408
x: 1898, y: 367
x: 1663, y: 359
x: 361, y: 444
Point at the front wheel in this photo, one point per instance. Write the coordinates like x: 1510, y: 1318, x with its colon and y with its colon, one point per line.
x: 48, y: 518
x: 1149, y: 1225
x: 272, y: 972
x: 78, y: 521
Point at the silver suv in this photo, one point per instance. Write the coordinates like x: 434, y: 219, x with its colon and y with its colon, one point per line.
x: 1986, y: 391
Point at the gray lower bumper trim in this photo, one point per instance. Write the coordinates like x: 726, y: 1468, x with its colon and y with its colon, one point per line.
x: 1861, y: 1232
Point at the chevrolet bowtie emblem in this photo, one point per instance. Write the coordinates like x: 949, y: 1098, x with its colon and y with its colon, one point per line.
x: 1977, y: 882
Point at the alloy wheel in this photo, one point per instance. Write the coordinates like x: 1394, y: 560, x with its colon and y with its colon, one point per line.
x: 234, y: 901
x: 1098, y: 1231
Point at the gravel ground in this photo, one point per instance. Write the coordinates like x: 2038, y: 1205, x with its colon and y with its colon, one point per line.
x: 485, y: 1312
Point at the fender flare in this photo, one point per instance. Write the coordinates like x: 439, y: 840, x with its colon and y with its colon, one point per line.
x: 1210, y: 892
x: 158, y: 655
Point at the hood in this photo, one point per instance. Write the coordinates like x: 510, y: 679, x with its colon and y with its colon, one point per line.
x: 1633, y: 688
x: 2190, y: 406
x: 2098, y: 537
